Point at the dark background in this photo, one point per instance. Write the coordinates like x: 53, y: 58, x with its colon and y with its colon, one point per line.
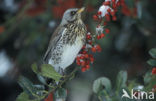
x: 26, y: 26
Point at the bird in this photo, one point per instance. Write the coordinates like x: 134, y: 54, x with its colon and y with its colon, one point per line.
x: 67, y: 40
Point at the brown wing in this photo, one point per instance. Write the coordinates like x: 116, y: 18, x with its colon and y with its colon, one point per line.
x: 53, y: 41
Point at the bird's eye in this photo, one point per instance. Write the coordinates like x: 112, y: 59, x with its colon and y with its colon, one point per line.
x: 73, y: 13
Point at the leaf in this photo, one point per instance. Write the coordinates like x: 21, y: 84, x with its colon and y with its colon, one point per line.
x: 104, y: 95
x: 121, y: 79
x: 131, y: 85
x: 152, y: 52
x: 147, y: 77
x: 72, y: 76
x: 23, y: 97
x: 35, y: 92
x: 152, y: 62
x: 39, y: 87
x: 151, y: 84
x: 99, y: 83
x: 34, y: 68
x: 48, y: 71
x: 27, y: 85
x: 61, y: 93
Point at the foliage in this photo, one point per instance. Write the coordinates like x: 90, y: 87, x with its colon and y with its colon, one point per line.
x: 46, y: 70
x: 152, y: 62
x: 37, y: 92
x: 25, y: 35
x: 115, y: 93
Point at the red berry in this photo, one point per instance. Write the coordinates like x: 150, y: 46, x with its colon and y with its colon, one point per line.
x: 86, y: 55
x: 112, y: 13
x: 88, y: 36
x: 107, y: 30
x: 95, y: 17
x: 114, y: 18
x: 90, y: 42
x: 93, y: 49
x: 92, y: 59
x: 109, y: 10
x: 77, y: 58
x: 87, y: 66
x: 84, y: 52
x: 84, y: 46
x: 106, y: 3
x: 78, y: 62
x: 98, y: 37
x: 154, y: 71
x: 105, y: 23
x: 81, y: 57
x: 107, y: 17
x: 154, y: 86
x: 118, y: 3
x: 87, y: 62
x: 102, y: 35
x: 90, y: 55
x: 83, y: 63
x: 98, y: 48
x: 113, y: 1
x: 99, y: 12
x: 83, y: 69
x: 114, y: 6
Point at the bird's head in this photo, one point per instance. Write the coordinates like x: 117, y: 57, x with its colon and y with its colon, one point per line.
x: 72, y: 14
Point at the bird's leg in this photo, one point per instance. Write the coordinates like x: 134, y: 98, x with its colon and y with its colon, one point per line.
x: 62, y: 71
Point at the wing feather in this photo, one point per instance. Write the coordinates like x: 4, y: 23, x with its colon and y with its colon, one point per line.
x: 53, y: 41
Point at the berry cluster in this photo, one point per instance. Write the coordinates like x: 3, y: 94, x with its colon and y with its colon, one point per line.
x: 103, y: 16
x: 108, y: 9
x: 85, y: 58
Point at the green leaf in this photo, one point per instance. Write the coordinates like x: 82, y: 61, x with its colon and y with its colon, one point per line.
x: 72, y: 76
x: 48, y: 71
x: 35, y: 92
x: 152, y: 62
x: 27, y: 85
x: 131, y: 85
x: 61, y: 93
x: 104, y: 95
x: 151, y: 83
x: 34, y: 68
x: 147, y: 77
x: 121, y: 79
x: 152, y: 52
x: 23, y: 97
x: 100, y: 83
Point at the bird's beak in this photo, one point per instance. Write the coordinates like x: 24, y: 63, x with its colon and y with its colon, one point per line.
x: 81, y: 10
